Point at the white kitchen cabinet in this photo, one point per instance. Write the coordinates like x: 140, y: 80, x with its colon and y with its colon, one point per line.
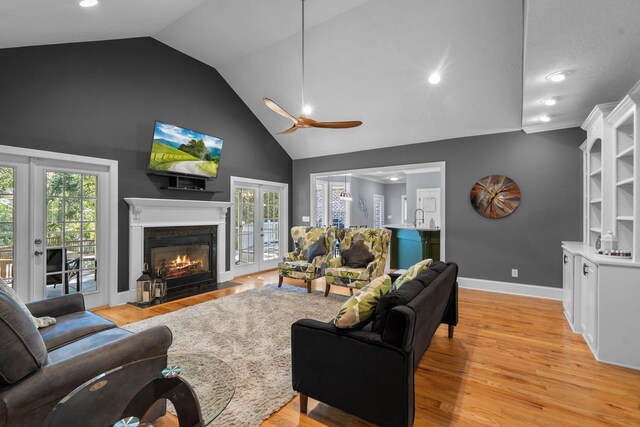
x: 589, y: 311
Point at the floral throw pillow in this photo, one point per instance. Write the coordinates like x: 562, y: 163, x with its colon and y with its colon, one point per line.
x: 412, y: 272
x: 358, y: 310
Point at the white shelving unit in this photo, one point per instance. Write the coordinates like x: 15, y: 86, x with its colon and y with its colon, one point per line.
x: 602, y: 293
x: 623, y: 129
x: 595, y: 190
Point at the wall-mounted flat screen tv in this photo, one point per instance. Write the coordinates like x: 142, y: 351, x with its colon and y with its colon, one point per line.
x: 177, y: 150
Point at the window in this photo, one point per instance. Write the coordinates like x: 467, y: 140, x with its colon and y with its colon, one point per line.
x: 320, y: 205
x: 378, y: 211
x: 7, y: 237
x: 338, y: 207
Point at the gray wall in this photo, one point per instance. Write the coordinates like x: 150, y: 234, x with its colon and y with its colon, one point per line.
x: 101, y: 99
x: 548, y: 168
x: 416, y: 181
x: 366, y: 189
x: 393, y: 202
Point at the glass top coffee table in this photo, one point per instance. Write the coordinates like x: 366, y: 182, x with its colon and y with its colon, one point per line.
x: 198, y: 387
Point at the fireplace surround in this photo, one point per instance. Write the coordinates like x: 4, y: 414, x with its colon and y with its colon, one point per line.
x: 156, y: 218
x: 181, y: 256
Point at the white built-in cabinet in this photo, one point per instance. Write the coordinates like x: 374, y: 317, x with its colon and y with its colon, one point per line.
x: 602, y: 293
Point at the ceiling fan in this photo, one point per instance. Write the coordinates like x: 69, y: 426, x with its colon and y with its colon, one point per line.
x: 303, y: 121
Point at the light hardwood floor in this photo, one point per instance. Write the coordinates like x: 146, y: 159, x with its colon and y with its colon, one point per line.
x: 513, y: 361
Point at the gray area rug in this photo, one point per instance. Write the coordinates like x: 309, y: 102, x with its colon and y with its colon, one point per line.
x: 250, y: 331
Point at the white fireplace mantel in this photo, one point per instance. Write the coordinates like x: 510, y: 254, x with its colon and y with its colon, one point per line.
x: 173, y: 213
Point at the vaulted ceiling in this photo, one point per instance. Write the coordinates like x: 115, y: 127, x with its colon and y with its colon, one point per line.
x: 369, y: 59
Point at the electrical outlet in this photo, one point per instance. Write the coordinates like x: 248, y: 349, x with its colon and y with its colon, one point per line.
x: 305, y: 219
x: 514, y: 272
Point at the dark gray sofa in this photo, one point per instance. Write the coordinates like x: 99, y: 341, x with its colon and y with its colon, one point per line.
x: 369, y: 372
x: 39, y: 367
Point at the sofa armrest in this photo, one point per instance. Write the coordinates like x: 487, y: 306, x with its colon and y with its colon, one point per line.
x: 58, y: 306
x: 399, y: 328
x: 52, y: 382
x: 339, y: 367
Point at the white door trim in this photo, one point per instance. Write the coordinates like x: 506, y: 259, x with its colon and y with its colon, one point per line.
x: 110, y: 271
x: 284, y: 228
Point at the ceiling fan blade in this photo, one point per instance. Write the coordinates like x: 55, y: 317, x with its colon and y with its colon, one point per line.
x: 290, y: 130
x: 278, y: 109
x: 335, y: 125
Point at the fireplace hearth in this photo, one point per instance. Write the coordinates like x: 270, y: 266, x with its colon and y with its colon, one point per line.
x: 184, y: 257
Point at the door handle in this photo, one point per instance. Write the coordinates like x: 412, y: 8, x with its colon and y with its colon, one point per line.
x: 585, y: 269
x: 38, y: 253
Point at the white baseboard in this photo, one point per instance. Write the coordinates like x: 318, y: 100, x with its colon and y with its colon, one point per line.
x: 535, y: 291
x: 224, y: 276
x: 122, y: 298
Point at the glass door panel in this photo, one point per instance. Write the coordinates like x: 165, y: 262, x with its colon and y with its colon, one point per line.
x: 71, y: 238
x: 270, y: 225
x: 7, y: 236
x: 244, y: 225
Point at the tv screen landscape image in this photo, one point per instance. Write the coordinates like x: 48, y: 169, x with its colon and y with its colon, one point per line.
x: 184, y: 151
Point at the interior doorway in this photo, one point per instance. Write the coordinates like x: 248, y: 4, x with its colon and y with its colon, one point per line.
x: 383, y: 196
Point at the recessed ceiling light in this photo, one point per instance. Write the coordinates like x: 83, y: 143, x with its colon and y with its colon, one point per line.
x: 544, y: 118
x: 558, y: 76
x: 394, y: 178
x: 434, y: 78
x: 549, y: 101
x: 307, y: 109
x: 88, y: 3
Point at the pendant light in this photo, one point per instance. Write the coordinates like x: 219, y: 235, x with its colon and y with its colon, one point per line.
x: 344, y: 195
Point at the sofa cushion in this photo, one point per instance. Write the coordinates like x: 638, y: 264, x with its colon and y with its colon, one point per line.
x: 318, y: 248
x: 89, y: 343
x: 358, y: 310
x: 357, y: 256
x: 412, y: 272
x: 23, y: 351
x: 396, y: 297
x: 427, y: 276
x: 72, y: 327
x: 39, y: 322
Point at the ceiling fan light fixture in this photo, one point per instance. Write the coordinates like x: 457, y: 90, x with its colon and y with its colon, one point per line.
x: 304, y: 121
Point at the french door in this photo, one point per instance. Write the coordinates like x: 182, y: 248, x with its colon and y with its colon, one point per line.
x: 260, y: 226
x: 54, y: 228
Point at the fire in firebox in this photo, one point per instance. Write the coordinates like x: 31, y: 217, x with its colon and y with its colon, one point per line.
x: 180, y: 261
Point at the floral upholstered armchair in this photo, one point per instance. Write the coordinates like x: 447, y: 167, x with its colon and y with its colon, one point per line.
x: 363, y: 255
x: 308, y: 261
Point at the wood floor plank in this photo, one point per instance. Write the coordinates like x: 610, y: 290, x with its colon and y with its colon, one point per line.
x: 514, y: 361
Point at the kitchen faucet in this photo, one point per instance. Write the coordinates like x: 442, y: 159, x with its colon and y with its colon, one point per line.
x: 415, y: 217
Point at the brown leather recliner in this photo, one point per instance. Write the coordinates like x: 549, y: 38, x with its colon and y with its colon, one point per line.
x: 40, y: 367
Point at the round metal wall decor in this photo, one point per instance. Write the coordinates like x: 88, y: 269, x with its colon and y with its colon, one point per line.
x: 495, y: 196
